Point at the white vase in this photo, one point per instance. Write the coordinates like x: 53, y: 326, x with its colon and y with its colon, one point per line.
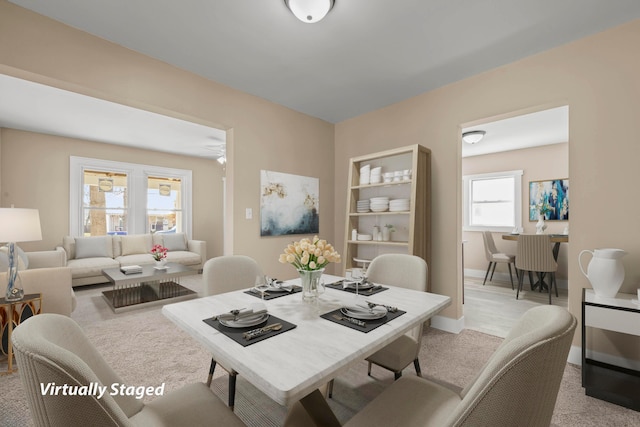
x: 161, y: 264
x: 386, y: 234
x: 540, y: 225
x: 605, y: 271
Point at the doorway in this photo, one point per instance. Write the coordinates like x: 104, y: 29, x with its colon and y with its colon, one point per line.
x: 535, y: 142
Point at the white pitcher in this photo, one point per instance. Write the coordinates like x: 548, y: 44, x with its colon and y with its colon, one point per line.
x: 605, y: 271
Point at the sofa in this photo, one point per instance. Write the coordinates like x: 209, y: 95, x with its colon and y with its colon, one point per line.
x: 88, y: 256
x: 44, y: 272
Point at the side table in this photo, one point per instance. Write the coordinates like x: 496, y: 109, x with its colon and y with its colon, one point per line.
x: 615, y: 384
x: 12, y: 313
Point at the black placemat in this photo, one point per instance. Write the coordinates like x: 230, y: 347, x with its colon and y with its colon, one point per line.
x: 370, y: 325
x: 272, y: 295
x: 236, y: 333
x: 366, y: 292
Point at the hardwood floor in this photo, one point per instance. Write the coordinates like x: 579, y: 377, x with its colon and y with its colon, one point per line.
x: 493, y: 308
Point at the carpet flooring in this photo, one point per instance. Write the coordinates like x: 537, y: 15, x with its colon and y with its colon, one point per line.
x: 147, y: 349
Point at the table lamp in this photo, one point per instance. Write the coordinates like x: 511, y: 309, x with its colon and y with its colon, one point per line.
x: 17, y: 225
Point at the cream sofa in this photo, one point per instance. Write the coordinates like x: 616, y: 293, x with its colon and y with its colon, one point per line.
x: 55, y: 286
x: 88, y: 256
x: 44, y: 272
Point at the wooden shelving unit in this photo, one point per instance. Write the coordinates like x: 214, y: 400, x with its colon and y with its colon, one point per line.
x: 413, y: 227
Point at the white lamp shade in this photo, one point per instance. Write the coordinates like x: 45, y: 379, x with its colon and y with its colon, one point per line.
x: 310, y: 11
x: 19, y: 225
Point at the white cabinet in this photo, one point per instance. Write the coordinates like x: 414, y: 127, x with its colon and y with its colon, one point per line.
x: 412, y: 233
x: 602, y: 380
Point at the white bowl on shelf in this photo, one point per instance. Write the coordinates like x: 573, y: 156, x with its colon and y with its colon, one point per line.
x: 365, y: 237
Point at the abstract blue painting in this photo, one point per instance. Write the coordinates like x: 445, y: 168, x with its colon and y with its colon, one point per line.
x: 549, y: 198
x: 289, y: 204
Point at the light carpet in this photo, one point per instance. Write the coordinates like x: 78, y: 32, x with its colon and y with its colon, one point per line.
x: 145, y: 348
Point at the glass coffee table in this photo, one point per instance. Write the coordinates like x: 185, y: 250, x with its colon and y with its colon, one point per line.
x: 150, y: 287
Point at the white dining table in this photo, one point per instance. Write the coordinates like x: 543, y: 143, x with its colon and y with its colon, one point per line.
x: 293, y: 365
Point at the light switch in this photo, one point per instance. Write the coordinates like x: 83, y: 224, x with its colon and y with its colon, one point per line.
x: 248, y: 213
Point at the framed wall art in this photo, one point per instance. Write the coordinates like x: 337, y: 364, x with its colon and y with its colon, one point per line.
x: 289, y: 204
x: 549, y: 198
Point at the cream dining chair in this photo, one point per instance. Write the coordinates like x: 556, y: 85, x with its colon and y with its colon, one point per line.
x: 225, y: 274
x: 535, y: 254
x: 518, y: 385
x: 495, y: 257
x: 52, y: 348
x: 405, y: 271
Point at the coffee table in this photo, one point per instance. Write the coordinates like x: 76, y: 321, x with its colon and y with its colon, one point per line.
x: 150, y: 287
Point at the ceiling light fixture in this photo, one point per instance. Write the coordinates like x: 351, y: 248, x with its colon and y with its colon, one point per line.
x: 473, y: 137
x: 309, y: 11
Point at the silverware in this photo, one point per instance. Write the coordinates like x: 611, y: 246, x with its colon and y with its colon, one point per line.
x: 389, y: 308
x: 254, y: 333
x: 350, y: 320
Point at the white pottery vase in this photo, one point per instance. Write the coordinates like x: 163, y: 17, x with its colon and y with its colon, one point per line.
x: 605, y: 271
x: 540, y: 225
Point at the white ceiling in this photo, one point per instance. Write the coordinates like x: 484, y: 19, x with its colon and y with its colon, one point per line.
x: 528, y: 130
x: 364, y: 55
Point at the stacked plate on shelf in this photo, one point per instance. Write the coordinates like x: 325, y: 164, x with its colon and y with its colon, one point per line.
x: 363, y: 206
x: 365, y: 174
x: 399, y: 205
x: 375, y: 176
x: 379, y: 204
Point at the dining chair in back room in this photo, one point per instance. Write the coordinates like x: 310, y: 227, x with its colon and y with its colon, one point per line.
x: 535, y: 254
x: 494, y: 257
x: 225, y: 274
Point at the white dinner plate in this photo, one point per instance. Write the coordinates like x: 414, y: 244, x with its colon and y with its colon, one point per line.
x: 245, y: 322
x: 364, y: 313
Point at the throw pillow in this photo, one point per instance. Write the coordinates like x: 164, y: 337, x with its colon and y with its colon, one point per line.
x: 92, y: 247
x: 23, y: 261
x: 136, y: 244
x: 174, y: 242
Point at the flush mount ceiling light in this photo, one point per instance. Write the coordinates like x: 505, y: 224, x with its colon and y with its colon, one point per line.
x: 473, y: 137
x: 309, y: 11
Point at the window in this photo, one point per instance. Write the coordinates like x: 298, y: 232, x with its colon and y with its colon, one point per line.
x: 109, y: 197
x: 493, y: 201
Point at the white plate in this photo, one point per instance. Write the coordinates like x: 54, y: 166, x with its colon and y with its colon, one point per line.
x: 245, y: 322
x: 635, y: 301
x: 364, y: 313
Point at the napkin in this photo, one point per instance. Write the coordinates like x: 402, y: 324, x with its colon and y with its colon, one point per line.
x: 253, y: 310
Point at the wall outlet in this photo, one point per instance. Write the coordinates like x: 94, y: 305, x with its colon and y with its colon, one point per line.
x: 248, y: 213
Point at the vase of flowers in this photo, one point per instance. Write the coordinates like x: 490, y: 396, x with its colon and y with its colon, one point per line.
x: 159, y: 254
x: 309, y: 257
x: 543, y: 209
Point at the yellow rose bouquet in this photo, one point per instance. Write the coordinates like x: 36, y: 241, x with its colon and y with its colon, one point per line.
x: 309, y: 255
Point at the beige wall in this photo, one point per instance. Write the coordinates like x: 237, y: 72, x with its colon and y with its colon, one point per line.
x: 264, y: 135
x: 35, y: 174
x: 542, y: 163
x: 598, y: 78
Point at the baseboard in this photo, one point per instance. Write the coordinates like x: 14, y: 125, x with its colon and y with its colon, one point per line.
x: 448, y: 324
x: 504, y: 277
x: 575, y: 355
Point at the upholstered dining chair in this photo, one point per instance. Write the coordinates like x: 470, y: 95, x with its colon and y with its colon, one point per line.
x: 225, y: 274
x: 494, y: 257
x: 53, y: 349
x: 518, y: 385
x: 535, y: 254
x: 405, y: 271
